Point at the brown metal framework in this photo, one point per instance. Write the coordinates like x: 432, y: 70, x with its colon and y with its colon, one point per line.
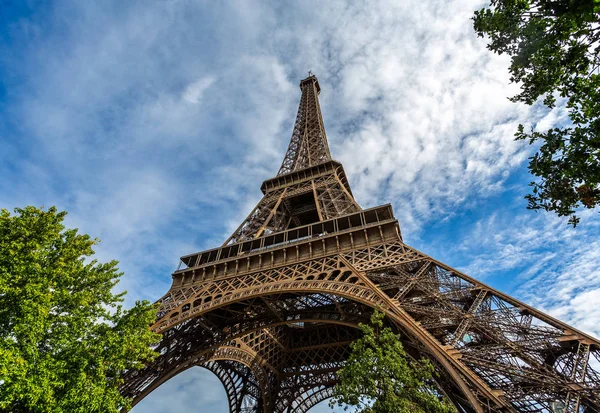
x: 273, y: 310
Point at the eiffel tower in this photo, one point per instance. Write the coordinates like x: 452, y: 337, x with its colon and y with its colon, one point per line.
x: 273, y: 310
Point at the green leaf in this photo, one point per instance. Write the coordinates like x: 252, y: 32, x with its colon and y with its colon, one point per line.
x: 64, y: 338
x: 380, y: 377
x: 554, y: 48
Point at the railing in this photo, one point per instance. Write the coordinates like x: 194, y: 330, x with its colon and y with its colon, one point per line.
x: 339, y: 225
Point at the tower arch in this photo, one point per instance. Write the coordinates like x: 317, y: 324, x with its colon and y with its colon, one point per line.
x: 342, y: 305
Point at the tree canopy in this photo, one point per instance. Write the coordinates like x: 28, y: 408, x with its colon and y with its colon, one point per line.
x: 64, y: 337
x: 554, y: 47
x: 379, y: 377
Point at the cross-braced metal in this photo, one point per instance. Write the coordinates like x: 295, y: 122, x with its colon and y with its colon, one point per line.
x: 273, y: 310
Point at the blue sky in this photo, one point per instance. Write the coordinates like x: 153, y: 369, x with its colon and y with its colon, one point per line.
x: 154, y: 123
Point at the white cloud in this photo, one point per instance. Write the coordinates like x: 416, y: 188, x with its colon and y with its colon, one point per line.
x: 194, y: 91
x: 571, y: 290
x: 434, y: 122
x: 554, y: 267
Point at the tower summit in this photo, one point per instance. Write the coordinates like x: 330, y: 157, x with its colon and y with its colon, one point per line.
x: 273, y: 310
x: 308, y: 145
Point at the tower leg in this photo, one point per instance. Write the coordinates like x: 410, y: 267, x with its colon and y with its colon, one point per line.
x: 241, y: 386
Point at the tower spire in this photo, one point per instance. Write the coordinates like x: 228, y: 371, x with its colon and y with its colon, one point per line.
x: 308, y: 145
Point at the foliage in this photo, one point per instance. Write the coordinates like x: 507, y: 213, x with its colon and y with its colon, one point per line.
x: 64, y: 337
x: 554, y: 47
x: 379, y: 377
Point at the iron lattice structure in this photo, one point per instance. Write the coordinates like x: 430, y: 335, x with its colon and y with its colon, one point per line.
x: 273, y: 310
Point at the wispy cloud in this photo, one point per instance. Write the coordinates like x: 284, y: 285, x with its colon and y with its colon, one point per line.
x: 194, y: 91
x: 538, y: 259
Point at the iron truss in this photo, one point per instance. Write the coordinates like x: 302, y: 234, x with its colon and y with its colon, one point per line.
x: 273, y: 310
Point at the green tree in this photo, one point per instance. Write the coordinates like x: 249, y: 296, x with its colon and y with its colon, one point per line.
x: 554, y: 47
x: 64, y: 337
x: 379, y: 377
